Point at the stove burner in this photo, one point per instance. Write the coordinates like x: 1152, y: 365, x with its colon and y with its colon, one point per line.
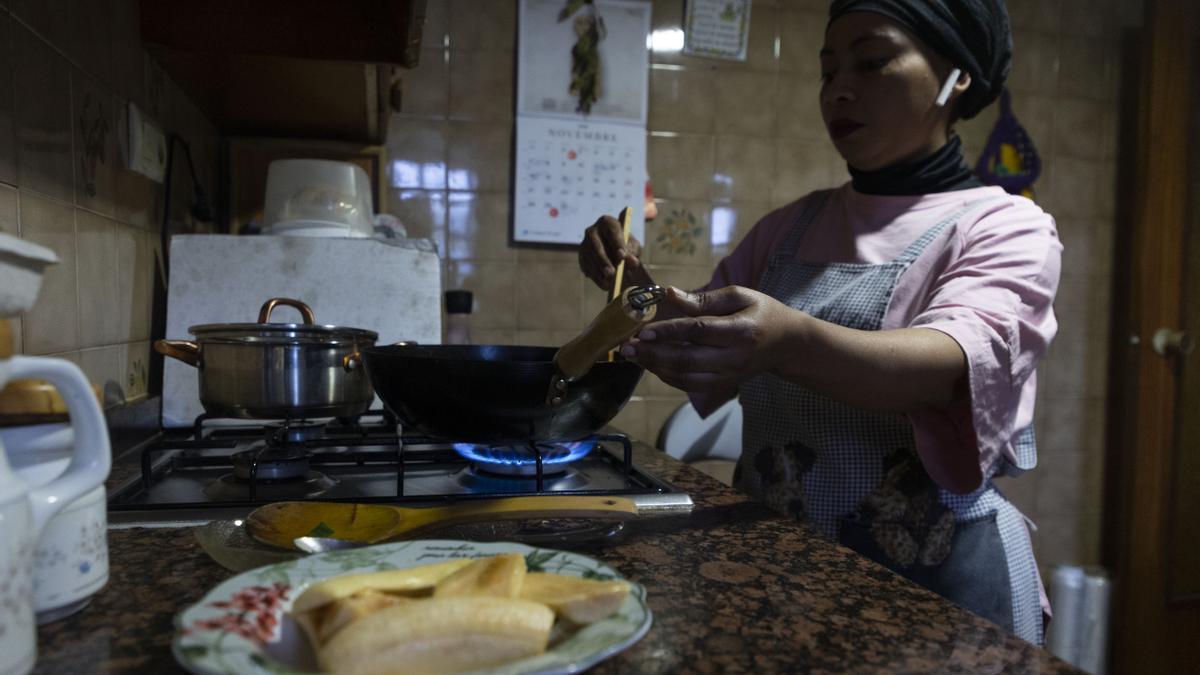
x: 230, y: 488
x: 476, y: 479
x: 279, y: 463
x: 293, y: 433
x: 515, y: 460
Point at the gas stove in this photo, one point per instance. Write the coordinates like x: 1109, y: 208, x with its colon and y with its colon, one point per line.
x: 226, y: 468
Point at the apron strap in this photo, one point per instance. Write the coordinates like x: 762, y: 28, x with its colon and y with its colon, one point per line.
x: 813, y: 205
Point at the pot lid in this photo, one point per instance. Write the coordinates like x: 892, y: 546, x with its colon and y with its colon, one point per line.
x: 265, y: 331
x: 291, y: 332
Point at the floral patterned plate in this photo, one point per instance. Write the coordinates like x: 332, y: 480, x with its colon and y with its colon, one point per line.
x: 242, y: 625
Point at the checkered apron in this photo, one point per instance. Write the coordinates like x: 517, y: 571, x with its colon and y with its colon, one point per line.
x: 824, y: 459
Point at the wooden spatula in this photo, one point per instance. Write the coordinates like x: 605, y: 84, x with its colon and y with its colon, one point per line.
x: 281, y: 523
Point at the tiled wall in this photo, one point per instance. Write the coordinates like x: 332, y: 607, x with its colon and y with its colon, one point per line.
x: 67, y: 69
x: 728, y: 142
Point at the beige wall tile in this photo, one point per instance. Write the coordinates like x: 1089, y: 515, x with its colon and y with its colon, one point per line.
x: 555, y: 254
x: 1033, y: 16
x: 426, y: 88
x: 632, y: 420
x: 478, y: 227
x: 1022, y: 491
x: 674, y: 97
x: 1080, y: 125
x: 591, y: 300
x: 1088, y: 69
x: 8, y: 148
x: 479, y: 156
x: 743, y: 168
x: 416, y: 153
x: 103, y: 368
x: 53, y: 323
x: 14, y: 325
x: 1081, y: 188
x: 100, y: 321
x: 801, y: 36
x: 798, y: 108
x: 493, y: 336
x: 423, y: 213
x: 8, y: 210
x: 42, y: 103
x: 95, y: 145
x: 681, y: 167
x: 1087, y: 247
x: 481, y: 85
x: 1088, y: 18
x: 680, y: 235
x: 1036, y: 64
x: 89, y: 42
x: 135, y: 281
x: 744, y: 103
x: 545, y: 338
x: 800, y: 168
x: 729, y: 224
x: 49, y: 18
x: 483, y: 24
x: 547, y: 296
x: 494, y: 286
x: 135, y: 365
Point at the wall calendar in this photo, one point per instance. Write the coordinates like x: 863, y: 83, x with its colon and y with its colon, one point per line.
x: 581, y: 117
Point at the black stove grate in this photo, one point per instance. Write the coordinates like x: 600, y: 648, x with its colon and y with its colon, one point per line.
x: 351, y: 460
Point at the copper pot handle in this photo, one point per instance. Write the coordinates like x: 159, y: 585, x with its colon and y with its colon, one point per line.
x: 352, y: 362
x: 264, y: 314
x: 183, y: 350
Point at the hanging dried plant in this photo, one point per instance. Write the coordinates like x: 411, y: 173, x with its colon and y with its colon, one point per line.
x: 585, y: 55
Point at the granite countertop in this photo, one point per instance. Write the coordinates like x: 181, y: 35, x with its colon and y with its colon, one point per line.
x: 733, y: 588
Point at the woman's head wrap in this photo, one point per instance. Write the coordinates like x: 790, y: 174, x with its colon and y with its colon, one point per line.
x: 973, y: 35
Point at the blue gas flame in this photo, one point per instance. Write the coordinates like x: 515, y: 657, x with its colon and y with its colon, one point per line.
x: 510, y: 455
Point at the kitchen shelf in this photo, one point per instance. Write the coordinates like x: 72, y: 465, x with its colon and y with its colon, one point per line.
x: 289, y: 68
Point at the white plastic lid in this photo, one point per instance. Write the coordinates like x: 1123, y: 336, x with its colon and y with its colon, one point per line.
x: 318, y: 197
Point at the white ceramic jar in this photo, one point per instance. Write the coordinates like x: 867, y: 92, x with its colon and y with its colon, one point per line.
x: 25, y: 511
x: 70, y: 560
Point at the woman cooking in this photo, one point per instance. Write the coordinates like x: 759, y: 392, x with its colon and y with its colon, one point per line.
x: 882, y: 337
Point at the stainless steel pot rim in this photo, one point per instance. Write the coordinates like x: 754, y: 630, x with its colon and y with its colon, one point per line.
x: 291, y: 332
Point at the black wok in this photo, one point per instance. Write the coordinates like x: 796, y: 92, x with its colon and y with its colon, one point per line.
x: 494, y: 394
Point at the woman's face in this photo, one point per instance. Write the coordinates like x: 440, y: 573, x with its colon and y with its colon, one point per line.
x: 878, y: 91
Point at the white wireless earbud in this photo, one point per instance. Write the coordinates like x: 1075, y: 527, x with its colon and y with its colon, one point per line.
x: 944, y: 94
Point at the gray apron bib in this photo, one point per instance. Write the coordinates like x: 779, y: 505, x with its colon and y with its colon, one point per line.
x: 855, y: 475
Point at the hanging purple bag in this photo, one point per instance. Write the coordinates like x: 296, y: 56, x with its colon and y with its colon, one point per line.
x: 1009, y: 158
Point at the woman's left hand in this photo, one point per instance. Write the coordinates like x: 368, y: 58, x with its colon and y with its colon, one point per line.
x: 726, y: 336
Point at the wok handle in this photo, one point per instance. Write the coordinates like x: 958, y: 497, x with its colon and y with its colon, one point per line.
x: 182, y: 350
x: 515, y: 508
x: 264, y: 314
x: 352, y: 362
x: 617, y: 322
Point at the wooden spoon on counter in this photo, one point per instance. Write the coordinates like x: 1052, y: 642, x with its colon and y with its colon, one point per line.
x: 281, y: 523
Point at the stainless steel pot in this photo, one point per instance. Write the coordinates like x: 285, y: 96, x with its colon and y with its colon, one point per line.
x: 278, y: 370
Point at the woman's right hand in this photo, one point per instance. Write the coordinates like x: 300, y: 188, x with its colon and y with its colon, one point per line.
x: 602, y: 249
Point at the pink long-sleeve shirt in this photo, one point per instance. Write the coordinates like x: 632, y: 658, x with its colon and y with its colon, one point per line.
x: 988, y: 282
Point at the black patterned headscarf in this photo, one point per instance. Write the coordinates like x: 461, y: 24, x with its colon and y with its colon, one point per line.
x: 973, y: 35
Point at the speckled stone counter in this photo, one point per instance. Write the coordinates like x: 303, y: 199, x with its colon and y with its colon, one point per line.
x: 733, y: 589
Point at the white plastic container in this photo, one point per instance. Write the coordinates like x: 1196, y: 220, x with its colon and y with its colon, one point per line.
x: 22, y: 264
x: 318, y: 198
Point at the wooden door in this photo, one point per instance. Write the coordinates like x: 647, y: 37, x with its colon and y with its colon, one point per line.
x: 1153, y: 538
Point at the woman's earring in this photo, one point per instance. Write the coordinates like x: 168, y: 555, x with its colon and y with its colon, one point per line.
x: 944, y: 94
